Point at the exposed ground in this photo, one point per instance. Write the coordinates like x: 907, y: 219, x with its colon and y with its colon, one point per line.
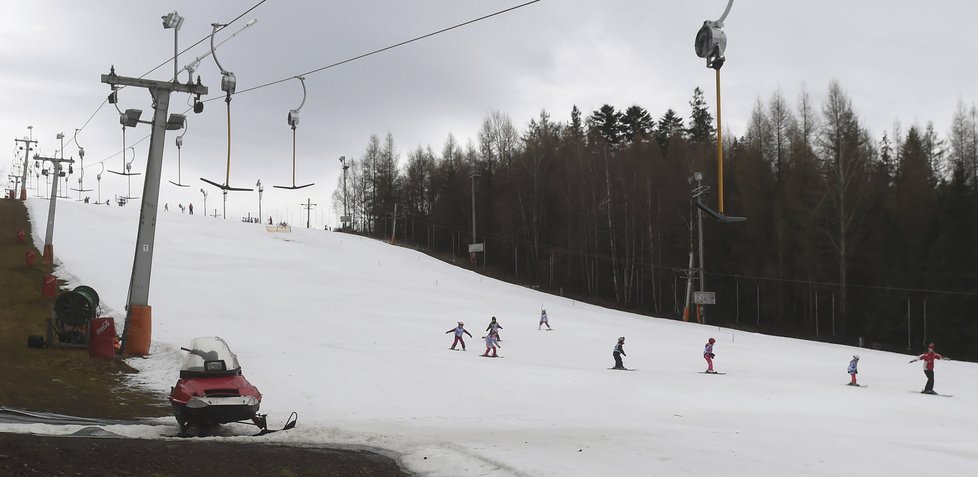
x: 67, y: 381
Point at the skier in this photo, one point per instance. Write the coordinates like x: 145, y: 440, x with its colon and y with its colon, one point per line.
x: 491, y: 343
x: 191, y: 209
x: 493, y: 327
x: 459, y: 330
x: 618, y: 352
x: 928, y: 359
x: 708, y: 355
x: 544, y: 320
x: 852, y: 369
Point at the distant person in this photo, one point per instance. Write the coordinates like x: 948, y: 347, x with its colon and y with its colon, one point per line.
x: 492, y: 340
x: 459, y: 331
x: 166, y: 207
x: 191, y: 208
x: 853, y: 365
x: 269, y: 220
x: 618, y: 352
x: 928, y: 359
x: 182, y: 208
x: 708, y: 355
x: 544, y: 320
x: 494, y: 327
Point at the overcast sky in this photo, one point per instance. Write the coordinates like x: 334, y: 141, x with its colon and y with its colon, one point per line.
x: 906, y: 61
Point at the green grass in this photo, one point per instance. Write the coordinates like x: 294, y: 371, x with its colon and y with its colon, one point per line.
x: 60, y: 380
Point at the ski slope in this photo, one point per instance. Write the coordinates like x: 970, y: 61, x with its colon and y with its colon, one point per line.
x: 350, y: 333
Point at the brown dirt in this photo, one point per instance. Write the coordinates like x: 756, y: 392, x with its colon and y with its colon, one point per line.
x: 67, y: 381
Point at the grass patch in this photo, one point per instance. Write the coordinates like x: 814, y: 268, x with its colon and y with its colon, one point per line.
x: 60, y: 380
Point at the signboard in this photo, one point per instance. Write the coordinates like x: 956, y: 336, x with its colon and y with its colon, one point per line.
x: 704, y: 298
x: 477, y: 247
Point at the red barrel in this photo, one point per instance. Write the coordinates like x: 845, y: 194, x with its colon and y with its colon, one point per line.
x: 30, y: 257
x: 101, y: 337
x: 20, y: 236
x: 49, y: 286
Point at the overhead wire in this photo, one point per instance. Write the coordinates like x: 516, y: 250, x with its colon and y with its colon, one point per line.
x: 167, y: 61
x: 381, y: 50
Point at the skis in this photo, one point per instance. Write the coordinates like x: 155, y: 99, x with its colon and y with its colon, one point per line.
x: 623, y: 369
x: 704, y: 372
x: 933, y: 394
x: 453, y: 349
x: 857, y: 385
x: 485, y: 356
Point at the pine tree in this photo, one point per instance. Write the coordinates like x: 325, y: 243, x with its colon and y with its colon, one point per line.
x: 701, y: 130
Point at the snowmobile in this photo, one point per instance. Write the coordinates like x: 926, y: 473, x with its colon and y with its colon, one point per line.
x: 211, y: 389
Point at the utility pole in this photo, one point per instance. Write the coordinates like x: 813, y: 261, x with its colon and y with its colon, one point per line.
x: 49, y: 233
x: 27, y: 154
x: 473, y: 246
x: 308, y: 206
x: 224, y: 212
x: 260, y: 190
x: 346, y: 211
x: 202, y: 191
x: 138, y: 311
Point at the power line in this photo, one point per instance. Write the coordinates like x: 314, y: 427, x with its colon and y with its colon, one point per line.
x: 206, y: 37
x: 333, y: 65
x: 162, y: 65
x: 380, y: 50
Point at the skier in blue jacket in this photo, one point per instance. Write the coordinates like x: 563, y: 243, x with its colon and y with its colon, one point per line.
x: 852, y: 369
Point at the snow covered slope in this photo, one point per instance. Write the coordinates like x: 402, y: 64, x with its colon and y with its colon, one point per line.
x: 350, y: 333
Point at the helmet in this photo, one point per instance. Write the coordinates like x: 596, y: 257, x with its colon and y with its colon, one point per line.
x: 461, y: 324
x: 930, y: 345
x: 855, y: 356
x: 494, y: 318
x: 712, y: 340
x: 621, y: 338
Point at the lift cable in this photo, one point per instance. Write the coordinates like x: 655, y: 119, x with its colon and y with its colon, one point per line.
x: 380, y: 50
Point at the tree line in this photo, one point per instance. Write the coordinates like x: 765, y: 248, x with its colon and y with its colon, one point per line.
x: 851, y: 236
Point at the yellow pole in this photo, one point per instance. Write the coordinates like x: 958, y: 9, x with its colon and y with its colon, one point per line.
x: 227, y: 174
x: 719, y: 148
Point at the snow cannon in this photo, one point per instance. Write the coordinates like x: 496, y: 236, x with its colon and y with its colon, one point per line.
x: 73, y: 310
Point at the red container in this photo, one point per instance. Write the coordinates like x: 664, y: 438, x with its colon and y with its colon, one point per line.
x: 49, y: 286
x: 30, y: 257
x: 20, y: 236
x: 101, y: 337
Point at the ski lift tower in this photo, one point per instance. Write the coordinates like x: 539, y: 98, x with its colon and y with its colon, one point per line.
x: 48, y: 255
x: 27, y: 154
x: 137, y: 332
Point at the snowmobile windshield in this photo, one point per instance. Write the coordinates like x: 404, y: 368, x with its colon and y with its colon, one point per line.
x: 209, y: 356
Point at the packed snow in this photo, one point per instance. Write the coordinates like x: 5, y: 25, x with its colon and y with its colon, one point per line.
x: 350, y: 333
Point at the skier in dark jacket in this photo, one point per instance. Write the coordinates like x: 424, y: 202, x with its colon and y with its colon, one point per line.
x: 618, y: 352
x: 494, y: 327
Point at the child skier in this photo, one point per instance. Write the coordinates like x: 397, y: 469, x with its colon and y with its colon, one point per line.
x: 708, y: 355
x: 459, y: 330
x: 544, y: 320
x: 491, y: 343
x: 618, y: 352
x: 928, y: 359
x: 852, y: 369
x: 493, y: 327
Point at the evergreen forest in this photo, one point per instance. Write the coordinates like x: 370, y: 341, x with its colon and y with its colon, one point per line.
x: 852, y: 236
